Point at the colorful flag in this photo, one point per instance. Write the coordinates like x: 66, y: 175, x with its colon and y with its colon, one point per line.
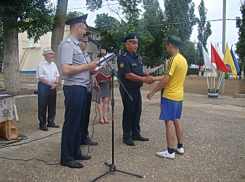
x: 207, y: 61
x: 220, y: 52
x: 215, y: 58
x: 228, y: 60
x: 235, y: 61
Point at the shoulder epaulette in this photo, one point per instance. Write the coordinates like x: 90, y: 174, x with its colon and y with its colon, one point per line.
x: 125, y: 54
x: 68, y: 39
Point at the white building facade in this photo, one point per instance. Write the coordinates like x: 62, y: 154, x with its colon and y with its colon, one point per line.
x: 30, y: 53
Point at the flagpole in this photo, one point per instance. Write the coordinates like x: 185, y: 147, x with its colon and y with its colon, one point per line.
x: 207, y: 80
x: 223, y: 40
x: 214, y: 80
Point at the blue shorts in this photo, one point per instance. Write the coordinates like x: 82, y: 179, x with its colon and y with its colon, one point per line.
x: 170, y: 109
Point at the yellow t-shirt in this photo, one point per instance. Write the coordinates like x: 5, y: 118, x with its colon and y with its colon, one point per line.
x: 177, y: 68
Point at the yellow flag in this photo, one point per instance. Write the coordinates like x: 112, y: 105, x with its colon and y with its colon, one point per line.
x: 228, y: 60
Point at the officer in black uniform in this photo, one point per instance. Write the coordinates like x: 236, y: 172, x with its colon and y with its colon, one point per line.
x: 130, y: 72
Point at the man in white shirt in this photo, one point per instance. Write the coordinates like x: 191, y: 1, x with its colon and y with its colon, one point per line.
x: 48, y: 76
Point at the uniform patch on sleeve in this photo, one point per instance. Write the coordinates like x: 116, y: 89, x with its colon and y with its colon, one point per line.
x: 140, y: 62
x: 125, y: 54
x: 122, y: 65
x: 134, y: 64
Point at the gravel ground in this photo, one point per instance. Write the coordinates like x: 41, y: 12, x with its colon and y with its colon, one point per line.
x: 214, y: 135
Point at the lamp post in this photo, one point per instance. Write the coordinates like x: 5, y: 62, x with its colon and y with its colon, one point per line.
x: 223, y: 41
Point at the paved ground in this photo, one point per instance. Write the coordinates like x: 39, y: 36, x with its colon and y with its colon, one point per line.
x: 214, y: 135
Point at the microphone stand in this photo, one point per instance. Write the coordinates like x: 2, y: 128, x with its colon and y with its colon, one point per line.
x: 113, y: 166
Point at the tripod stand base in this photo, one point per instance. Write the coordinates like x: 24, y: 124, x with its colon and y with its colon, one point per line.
x: 113, y: 169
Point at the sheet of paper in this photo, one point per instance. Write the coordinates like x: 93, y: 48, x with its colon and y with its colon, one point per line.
x: 148, y: 71
x: 104, y: 59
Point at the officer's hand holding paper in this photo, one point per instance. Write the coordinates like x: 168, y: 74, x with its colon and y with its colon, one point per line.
x: 92, y: 66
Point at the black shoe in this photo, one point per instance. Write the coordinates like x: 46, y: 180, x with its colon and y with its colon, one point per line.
x: 44, y: 128
x: 72, y: 164
x: 129, y: 142
x: 89, y: 142
x: 82, y: 157
x: 140, y: 138
x: 53, y: 126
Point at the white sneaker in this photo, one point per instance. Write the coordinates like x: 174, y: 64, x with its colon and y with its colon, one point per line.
x: 165, y: 154
x: 179, y: 150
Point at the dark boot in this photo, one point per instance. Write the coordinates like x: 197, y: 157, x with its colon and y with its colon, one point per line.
x: 42, y: 124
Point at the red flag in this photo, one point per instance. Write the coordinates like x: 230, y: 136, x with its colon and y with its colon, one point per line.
x: 215, y: 58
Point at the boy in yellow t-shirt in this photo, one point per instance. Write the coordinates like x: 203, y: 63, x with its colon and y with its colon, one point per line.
x: 172, y: 98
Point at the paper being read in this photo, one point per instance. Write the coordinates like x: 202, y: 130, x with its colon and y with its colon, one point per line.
x: 148, y: 71
x: 103, y: 60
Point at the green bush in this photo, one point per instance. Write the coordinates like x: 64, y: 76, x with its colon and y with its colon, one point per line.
x: 226, y: 75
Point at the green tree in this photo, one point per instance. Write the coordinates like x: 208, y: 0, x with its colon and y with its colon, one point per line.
x: 180, y: 17
x: 33, y: 16
x: 111, y: 32
x: 153, y: 17
x: 204, y: 28
x: 204, y: 31
x: 73, y: 14
x: 130, y: 10
x: 93, y: 5
x: 189, y: 50
x: 240, y: 45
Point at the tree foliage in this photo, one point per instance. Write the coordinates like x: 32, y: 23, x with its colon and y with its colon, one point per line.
x: 240, y: 45
x: 33, y: 16
x: 153, y: 17
x: 204, y: 31
x: 111, y: 32
x: 180, y: 17
x: 93, y: 5
x: 73, y: 14
x: 204, y: 28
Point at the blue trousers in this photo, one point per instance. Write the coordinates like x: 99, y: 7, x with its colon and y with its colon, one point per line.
x: 86, y: 118
x: 75, y: 99
x: 131, y: 112
x: 46, y: 99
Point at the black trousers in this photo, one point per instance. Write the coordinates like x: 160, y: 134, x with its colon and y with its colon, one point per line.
x: 86, y: 118
x: 131, y: 112
x: 46, y: 99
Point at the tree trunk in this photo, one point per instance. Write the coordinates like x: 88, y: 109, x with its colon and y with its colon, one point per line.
x: 58, y: 29
x: 11, y: 56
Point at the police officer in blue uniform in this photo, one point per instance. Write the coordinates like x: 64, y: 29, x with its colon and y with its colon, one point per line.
x: 75, y: 72
x: 130, y: 72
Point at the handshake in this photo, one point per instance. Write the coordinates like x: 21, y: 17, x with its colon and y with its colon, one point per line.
x: 149, y: 79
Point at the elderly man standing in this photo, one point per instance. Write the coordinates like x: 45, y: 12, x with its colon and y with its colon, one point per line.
x: 75, y: 72
x: 130, y: 72
x: 172, y: 97
x: 48, y: 76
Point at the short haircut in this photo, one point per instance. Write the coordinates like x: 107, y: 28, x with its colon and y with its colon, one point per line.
x: 74, y: 25
x: 175, y: 46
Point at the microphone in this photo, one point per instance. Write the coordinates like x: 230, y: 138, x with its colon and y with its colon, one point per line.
x: 95, y: 42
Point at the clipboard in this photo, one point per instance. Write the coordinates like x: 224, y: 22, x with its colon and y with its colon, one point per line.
x: 96, y: 95
x: 103, y: 60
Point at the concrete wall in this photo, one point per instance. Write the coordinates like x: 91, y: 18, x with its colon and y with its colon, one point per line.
x: 26, y: 104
